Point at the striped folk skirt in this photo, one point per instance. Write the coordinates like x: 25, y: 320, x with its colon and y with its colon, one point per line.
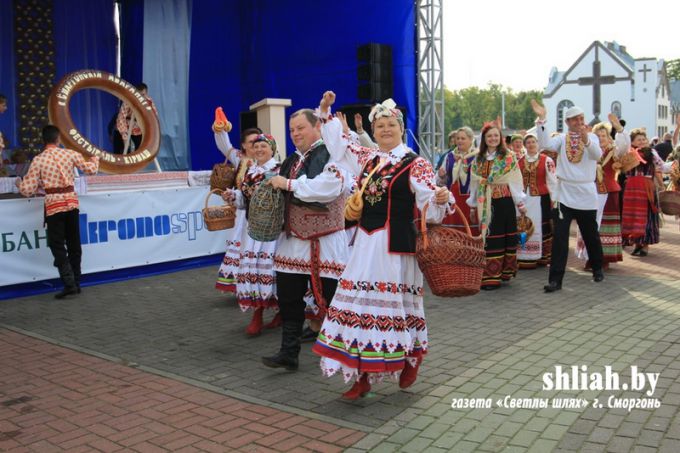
x: 501, y: 243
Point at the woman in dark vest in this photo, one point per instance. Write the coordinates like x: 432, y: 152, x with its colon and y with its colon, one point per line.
x: 375, y: 326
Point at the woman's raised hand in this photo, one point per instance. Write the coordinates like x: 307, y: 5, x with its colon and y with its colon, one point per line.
x: 327, y: 100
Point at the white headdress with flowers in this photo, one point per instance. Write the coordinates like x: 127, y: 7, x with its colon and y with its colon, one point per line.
x: 387, y: 109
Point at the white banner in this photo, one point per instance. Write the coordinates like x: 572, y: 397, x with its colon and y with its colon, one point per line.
x: 117, y: 230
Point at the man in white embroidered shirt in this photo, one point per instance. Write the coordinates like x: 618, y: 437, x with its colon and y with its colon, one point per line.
x: 312, y: 251
x: 575, y: 195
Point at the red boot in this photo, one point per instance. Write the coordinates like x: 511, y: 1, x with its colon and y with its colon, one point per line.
x: 274, y: 323
x: 360, y: 388
x: 409, y: 374
x: 255, y: 326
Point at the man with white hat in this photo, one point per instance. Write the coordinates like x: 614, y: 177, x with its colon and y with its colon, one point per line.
x: 575, y: 196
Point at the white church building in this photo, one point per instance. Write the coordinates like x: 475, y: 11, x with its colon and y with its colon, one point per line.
x: 604, y: 79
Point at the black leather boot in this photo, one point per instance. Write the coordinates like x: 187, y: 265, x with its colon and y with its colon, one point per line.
x: 67, y: 277
x: 287, y: 357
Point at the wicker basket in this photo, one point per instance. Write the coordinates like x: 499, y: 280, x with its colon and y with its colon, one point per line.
x: 218, y: 217
x: 223, y: 176
x: 452, y: 261
x: 669, y: 201
x: 525, y: 225
x: 265, y: 213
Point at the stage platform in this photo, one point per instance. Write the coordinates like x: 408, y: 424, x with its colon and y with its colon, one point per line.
x: 127, y: 223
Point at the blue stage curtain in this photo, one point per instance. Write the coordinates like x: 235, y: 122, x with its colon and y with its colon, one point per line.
x: 215, y: 75
x: 167, y: 37
x: 8, y: 122
x: 246, y: 51
x: 85, y: 39
x: 132, y: 40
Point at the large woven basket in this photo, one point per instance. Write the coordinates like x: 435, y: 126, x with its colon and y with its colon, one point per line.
x: 265, y: 213
x: 218, y: 217
x: 669, y: 201
x: 452, y: 261
x: 223, y: 176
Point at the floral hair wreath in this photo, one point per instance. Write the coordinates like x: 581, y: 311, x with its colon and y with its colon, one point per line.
x: 388, y: 109
x: 267, y: 139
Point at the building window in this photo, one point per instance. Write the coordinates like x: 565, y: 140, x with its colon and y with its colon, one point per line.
x: 616, y: 109
x: 561, y: 107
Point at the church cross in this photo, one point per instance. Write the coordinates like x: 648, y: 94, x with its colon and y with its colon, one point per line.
x: 597, y: 80
x: 644, y: 72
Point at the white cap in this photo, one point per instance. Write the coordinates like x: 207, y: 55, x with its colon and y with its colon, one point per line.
x: 572, y: 112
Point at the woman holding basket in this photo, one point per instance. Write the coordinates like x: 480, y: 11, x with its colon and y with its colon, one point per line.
x: 375, y: 326
x: 255, y: 277
x: 242, y: 160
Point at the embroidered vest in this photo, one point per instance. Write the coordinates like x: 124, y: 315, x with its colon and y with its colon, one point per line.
x: 389, y: 203
x: 311, y: 220
x: 534, y: 176
x: 609, y: 183
x: 497, y: 190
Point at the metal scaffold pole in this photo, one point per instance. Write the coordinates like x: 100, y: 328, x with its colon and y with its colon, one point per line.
x: 430, y: 78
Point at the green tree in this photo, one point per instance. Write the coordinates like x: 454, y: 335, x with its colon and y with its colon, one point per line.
x: 673, y: 69
x: 473, y: 106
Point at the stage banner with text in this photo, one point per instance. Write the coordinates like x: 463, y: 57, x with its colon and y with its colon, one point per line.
x: 117, y: 231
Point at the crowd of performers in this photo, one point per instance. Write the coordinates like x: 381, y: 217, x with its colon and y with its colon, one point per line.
x: 359, y: 284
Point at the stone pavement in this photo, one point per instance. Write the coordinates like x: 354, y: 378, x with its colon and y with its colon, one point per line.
x: 175, y: 330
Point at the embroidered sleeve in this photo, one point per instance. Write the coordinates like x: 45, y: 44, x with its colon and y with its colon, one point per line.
x: 350, y: 156
x: 422, y: 179
x: 323, y: 188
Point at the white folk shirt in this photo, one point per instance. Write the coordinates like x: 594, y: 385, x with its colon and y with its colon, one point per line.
x: 575, y: 188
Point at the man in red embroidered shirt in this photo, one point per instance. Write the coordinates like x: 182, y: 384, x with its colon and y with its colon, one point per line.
x: 52, y: 170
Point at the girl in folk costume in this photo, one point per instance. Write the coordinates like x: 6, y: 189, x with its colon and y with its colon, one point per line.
x: 454, y: 173
x: 242, y: 160
x: 497, y: 189
x: 608, y: 188
x: 255, y: 277
x: 538, y: 173
x: 375, y: 326
x: 640, y: 220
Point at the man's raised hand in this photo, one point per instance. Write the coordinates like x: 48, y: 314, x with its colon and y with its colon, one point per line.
x: 538, y: 109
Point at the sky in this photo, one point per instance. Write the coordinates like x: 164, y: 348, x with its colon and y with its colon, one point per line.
x: 537, y: 35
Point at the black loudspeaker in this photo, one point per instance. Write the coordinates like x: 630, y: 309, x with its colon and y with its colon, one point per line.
x: 247, y: 120
x: 375, y: 72
x: 363, y: 109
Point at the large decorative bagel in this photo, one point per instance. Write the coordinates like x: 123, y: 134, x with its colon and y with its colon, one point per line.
x: 71, y: 137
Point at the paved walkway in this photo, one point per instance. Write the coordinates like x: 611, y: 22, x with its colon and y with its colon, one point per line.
x: 162, y: 364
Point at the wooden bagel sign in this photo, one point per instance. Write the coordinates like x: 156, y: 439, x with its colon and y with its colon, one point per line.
x: 60, y: 116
